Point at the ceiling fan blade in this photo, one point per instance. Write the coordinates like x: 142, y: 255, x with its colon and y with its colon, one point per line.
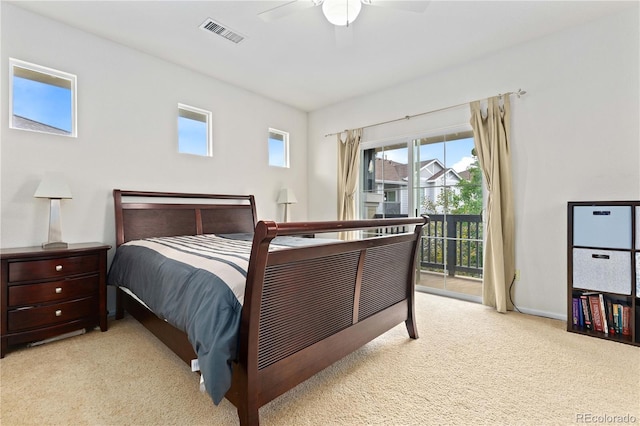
x: 411, y: 6
x: 284, y: 10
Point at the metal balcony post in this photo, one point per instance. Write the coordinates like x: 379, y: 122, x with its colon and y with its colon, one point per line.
x: 451, y: 245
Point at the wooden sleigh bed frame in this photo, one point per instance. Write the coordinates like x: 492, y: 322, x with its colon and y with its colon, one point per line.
x: 365, y: 286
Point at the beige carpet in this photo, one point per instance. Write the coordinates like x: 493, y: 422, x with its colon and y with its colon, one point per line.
x: 470, y: 366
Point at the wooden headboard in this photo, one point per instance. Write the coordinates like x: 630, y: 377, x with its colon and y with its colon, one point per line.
x: 141, y: 214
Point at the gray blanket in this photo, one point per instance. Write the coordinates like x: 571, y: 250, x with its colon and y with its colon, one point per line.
x: 197, y: 285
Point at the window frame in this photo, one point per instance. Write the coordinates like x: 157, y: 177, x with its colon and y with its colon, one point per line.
x: 285, y: 143
x: 208, y: 125
x: 51, y: 74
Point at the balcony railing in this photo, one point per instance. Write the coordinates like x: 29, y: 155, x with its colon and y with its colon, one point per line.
x: 453, y: 244
x: 450, y: 243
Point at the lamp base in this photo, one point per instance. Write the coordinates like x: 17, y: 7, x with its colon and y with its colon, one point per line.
x: 55, y: 227
x: 54, y: 245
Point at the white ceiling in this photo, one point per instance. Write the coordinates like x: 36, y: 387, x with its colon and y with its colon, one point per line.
x: 297, y: 59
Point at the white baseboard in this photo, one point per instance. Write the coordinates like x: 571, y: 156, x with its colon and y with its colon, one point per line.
x: 545, y: 314
x: 478, y: 299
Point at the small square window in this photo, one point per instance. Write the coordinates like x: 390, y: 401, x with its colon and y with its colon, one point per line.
x: 194, y: 131
x: 41, y: 99
x: 278, y: 148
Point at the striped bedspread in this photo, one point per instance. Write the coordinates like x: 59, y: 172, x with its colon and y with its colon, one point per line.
x: 197, y: 284
x: 226, y: 258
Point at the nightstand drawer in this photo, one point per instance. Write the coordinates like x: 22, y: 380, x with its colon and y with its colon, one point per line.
x: 29, y: 294
x: 22, y: 319
x: 51, y: 268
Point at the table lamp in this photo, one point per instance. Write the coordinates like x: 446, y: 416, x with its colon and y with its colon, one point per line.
x: 286, y: 197
x: 54, y: 187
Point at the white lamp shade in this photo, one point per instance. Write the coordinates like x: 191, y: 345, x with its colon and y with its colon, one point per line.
x: 341, y: 12
x: 54, y: 186
x: 287, y: 196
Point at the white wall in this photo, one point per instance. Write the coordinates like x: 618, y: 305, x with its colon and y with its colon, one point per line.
x: 575, y: 136
x: 127, y: 135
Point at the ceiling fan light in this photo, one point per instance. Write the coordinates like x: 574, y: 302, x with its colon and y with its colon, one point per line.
x: 341, y: 12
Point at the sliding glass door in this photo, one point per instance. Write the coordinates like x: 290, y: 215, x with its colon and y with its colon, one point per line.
x: 447, y: 186
x: 438, y: 176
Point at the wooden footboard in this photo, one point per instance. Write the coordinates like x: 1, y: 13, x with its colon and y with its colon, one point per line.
x: 304, y: 307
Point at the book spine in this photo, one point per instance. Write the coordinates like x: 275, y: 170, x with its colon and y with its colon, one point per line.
x: 603, y: 314
x: 617, y: 317
x: 585, y: 311
x: 626, y: 320
x: 576, y: 312
x: 612, y: 327
x: 596, y: 318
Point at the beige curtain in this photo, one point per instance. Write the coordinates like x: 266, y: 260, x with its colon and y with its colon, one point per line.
x: 492, y: 135
x: 348, y: 172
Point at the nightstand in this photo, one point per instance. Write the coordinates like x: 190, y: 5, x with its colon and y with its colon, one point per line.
x: 48, y: 292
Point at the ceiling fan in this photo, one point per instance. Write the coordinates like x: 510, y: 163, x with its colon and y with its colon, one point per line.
x: 340, y: 12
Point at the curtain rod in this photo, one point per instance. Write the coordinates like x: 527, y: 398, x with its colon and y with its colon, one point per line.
x: 518, y: 93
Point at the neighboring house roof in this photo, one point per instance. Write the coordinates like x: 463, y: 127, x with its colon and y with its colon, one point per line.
x: 25, y: 123
x: 425, y: 163
x: 392, y: 171
x: 465, y: 174
x: 442, y: 172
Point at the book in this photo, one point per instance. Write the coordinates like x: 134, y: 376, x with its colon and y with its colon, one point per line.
x: 626, y: 320
x: 596, y: 317
x: 612, y: 328
x: 616, y: 318
x: 585, y: 311
x: 576, y: 312
x: 603, y: 312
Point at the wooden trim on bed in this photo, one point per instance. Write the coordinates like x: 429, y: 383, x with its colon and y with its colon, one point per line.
x: 358, y: 287
x: 222, y: 213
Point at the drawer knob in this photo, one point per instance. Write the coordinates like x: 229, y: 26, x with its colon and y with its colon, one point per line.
x: 58, y: 290
x: 58, y: 313
x: 58, y: 268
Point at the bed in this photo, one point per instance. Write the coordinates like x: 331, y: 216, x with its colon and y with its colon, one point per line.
x: 303, y: 304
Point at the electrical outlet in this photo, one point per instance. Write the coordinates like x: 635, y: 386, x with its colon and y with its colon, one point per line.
x: 517, y: 274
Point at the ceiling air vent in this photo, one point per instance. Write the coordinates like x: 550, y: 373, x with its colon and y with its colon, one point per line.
x: 222, y: 30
